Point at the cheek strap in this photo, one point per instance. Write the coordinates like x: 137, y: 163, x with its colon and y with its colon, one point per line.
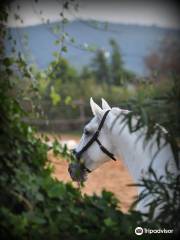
x: 111, y: 155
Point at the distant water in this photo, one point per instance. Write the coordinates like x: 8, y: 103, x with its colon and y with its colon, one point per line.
x: 135, y: 42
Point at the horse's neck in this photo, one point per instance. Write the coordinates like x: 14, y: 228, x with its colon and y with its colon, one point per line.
x: 131, y: 150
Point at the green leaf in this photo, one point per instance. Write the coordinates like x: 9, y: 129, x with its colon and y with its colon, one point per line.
x: 57, y: 42
x: 55, y: 97
x: 56, y: 54
x: 109, y: 222
x: 7, y: 62
x: 64, y: 49
x: 68, y: 100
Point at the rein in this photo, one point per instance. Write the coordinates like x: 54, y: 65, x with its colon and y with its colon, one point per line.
x: 95, y: 139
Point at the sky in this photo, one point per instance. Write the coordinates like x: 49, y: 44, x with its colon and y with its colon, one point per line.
x: 159, y: 13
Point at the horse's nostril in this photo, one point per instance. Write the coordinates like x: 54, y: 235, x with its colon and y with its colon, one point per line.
x: 74, y: 151
x: 76, y: 154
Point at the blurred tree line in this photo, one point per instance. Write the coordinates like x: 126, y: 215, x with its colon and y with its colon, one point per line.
x: 111, y: 72
x: 105, y: 68
x: 61, y: 84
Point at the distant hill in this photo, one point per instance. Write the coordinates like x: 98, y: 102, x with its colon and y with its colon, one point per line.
x: 135, y: 42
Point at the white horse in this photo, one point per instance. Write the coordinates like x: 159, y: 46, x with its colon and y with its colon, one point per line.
x: 120, y: 143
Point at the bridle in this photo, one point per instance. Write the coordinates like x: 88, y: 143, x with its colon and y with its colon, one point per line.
x: 95, y: 139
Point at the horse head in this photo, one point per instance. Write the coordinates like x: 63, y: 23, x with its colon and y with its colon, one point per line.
x: 96, y: 145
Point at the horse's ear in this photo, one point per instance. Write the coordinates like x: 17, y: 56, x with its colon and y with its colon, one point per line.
x: 105, y: 105
x: 96, y: 110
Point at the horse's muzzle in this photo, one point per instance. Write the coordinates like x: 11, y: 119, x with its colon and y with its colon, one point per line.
x: 77, y: 173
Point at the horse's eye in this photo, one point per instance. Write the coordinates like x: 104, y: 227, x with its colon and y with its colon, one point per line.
x: 86, y: 132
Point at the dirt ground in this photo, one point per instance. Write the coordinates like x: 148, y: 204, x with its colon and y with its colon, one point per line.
x: 112, y: 176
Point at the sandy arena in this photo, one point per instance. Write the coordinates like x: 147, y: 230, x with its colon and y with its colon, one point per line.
x: 112, y: 176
